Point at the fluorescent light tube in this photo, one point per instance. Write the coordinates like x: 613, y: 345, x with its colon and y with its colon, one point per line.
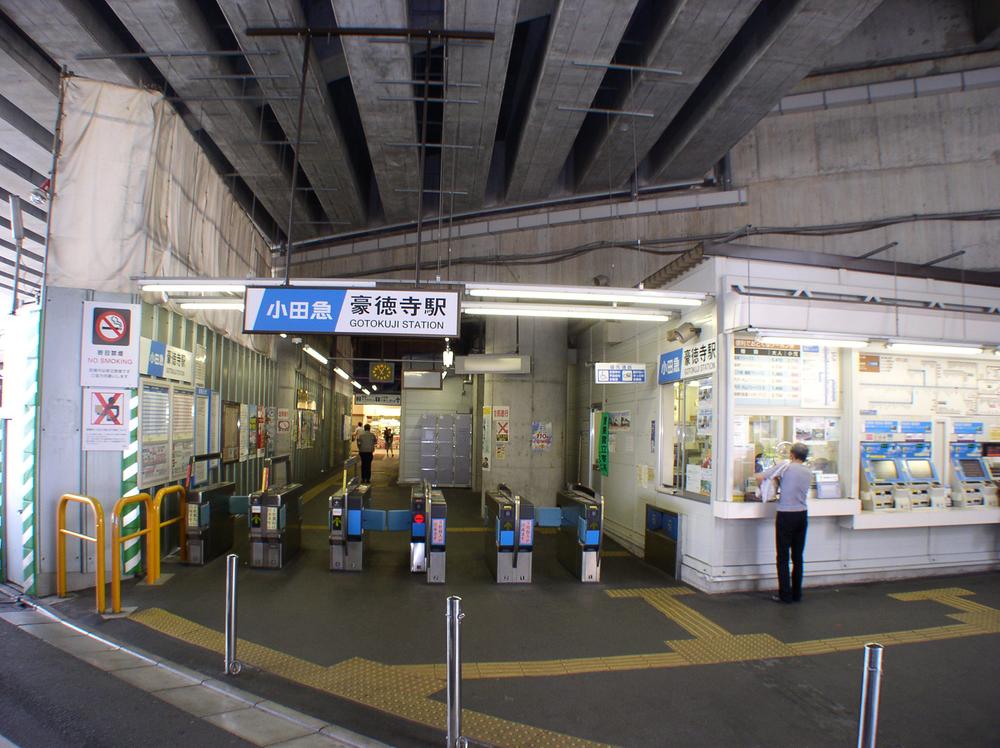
x: 562, y: 312
x: 947, y: 350
x: 192, y: 288
x: 341, y: 373
x: 828, y: 342
x: 355, y: 385
x: 282, y: 335
x: 366, y: 390
x: 235, y: 305
x: 619, y: 296
x: 315, y: 354
x: 374, y: 388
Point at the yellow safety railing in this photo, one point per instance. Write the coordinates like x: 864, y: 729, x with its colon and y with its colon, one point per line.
x: 117, y: 540
x: 180, y: 519
x: 97, y: 540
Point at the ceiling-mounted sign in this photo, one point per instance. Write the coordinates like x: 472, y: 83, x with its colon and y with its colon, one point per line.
x: 607, y: 373
x: 368, y: 311
x: 110, y: 351
x: 158, y: 359
x: 670, y: 366
x: 376, y: 399
x: 696, y: 360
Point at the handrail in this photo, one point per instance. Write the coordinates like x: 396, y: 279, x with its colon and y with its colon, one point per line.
x: 117, y: 541
x: 181, y: 518
x: 97, y: 540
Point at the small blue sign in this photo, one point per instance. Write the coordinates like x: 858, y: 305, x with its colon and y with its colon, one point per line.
x: 915, y: 427
x: 970, y: 428
x: 157, y: 358
x: 670, y: 366
x: 881, y: 427
x: 619, y: 373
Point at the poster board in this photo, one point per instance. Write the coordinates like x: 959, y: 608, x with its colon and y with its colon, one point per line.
x: 154, y: 433
x: 230, y: 446
x: 181, y: 429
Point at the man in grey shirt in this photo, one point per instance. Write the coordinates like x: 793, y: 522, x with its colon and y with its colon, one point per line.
x: 366, y: 451
x: 791, y: 521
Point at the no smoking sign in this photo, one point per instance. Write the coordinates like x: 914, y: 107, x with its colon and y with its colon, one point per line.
x: 111, y: 326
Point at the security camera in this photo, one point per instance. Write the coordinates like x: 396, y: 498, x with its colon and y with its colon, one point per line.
x: 684, y: 333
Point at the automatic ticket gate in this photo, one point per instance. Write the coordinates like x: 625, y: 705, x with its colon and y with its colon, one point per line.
x: 274, y: 518
x: 346, y: 521
x: 509, y: 546
x: 581, y: 532
x: 209, y: 531
x: 428, y: 530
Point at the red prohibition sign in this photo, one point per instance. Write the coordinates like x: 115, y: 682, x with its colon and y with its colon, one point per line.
x: 111, y: 327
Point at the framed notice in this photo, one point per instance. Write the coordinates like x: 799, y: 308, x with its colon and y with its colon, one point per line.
x: 181, y: 430
x: 105, y: 420
x: 230, y: 432
x: 154, y: 434
x: 109, y: 355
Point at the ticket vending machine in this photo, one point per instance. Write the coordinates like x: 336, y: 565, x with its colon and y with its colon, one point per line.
x: 971, y: 484
x: 926, y: 491
x: 346, y: 521
x: 510, y: 536
x: 991, y: 456
x: 581, y: 532
x: 209, y: 530
x: 428, y: 532
x: 883, y: 482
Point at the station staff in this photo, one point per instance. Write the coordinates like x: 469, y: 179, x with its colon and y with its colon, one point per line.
x: 790, y: 521
x: 366, y: 451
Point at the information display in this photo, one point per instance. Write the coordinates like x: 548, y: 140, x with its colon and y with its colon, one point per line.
x: 154, y: 434
x: 181, y: 430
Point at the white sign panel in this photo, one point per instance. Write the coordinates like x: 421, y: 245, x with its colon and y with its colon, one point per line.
x: 105, y: 420
x: 369, y: 311
x: 375, y: 399
x: 606, y: 373
x: 109, y: 356
x: 698, y: 360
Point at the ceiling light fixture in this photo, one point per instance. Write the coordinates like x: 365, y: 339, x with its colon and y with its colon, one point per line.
x: 341, y: 373
x: 236, y: 306
x: 192, y: 288
x: 562, y: 311
x: 447, y: 356
x: 803, y: 340
x: 940, y: 348
x: 366, y: 390
x: 586, y: 293
x: 355, y: 385
x: 374, y: 388
x: 315, y: 354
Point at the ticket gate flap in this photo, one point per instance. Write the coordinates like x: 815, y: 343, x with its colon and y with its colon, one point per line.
x: 549, y: 516
x: 398, y: 519
x: 354, y: 522
x: 373, y: 519
x: 586, y: 533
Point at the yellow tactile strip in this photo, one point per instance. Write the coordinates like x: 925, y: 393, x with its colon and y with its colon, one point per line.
x: 405, y: 690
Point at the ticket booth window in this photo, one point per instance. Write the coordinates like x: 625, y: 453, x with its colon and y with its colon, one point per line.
x: 687, y: 451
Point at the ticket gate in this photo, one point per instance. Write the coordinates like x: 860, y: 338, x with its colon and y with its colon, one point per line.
x: 346, y: 521
x: 209, y: 531
x: 510, y: 544
x: 275, y: 523
x: 581, y: 532
x: 428, y: 529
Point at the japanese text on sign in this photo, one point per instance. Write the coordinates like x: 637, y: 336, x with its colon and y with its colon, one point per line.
x: 606, y: 373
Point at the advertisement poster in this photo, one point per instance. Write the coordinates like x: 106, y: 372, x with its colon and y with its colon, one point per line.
x: 501, y: 451
x: 261, y: 429
x: 603, y: 445
x: 105, y: 420
x: 181, y: 430
x: 244, y: 429
x: 487, y: 454
x: 621, y: 420
x: 109, y: 355
x: 541, y: 436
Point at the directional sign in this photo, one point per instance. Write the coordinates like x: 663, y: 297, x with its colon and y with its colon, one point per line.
x: 606, y: 373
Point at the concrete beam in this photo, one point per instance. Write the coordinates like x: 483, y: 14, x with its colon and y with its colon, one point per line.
x: 66, y: 28
x: 327, y: 164
x: 777, y: 47
x: 27, y: 78
x: 581, y: 31
x: 384, y: 121
x: 692, y: 35
x: 233, y: 125
x: 986, y: 21
x: 475, y: 125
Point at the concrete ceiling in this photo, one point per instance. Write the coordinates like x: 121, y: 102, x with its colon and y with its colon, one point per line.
x: 514, y: 110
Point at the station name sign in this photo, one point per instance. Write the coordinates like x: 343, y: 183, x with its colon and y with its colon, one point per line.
x: 340, y: 311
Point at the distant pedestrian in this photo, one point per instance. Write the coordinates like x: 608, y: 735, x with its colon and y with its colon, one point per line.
x: 366, y: 450
x: 356, y: 434
x: 387, y: 435
x: 791, y: 520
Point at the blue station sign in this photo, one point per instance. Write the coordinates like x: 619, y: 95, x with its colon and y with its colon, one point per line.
x: 340, y: 311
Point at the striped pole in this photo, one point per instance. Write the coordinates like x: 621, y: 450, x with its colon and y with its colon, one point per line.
x: 132, y: 550
x: 23, y: 478
x: 3, y: 494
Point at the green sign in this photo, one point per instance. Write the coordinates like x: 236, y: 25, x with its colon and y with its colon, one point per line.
x: 602, y: 444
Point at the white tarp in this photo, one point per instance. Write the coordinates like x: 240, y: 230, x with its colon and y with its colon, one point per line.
x: 136, y: 196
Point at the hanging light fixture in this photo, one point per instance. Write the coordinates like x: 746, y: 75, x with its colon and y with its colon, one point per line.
x: 448, y: 356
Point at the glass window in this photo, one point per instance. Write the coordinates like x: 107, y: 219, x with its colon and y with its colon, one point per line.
x: 761, y: 441
x: 690, y: 455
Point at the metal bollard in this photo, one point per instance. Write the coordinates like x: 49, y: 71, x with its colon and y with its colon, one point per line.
x: 233, y: 666
x: 455, y: 615
x: 868, y: 724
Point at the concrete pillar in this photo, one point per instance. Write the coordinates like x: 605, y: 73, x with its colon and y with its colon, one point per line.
x: 541, y: 396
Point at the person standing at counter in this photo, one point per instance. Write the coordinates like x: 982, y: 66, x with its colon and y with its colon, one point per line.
x: 790, y: 521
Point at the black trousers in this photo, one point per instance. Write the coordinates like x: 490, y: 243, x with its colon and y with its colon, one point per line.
x: 790, y: 538
x: 366, y: 466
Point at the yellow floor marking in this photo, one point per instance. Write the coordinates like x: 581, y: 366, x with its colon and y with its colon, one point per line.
x: 615, y: 554
x: 315, y: 491
x: 405, y: 690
